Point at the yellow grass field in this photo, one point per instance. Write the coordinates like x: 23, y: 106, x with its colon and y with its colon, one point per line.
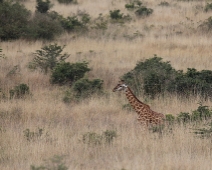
x: 170, y: 32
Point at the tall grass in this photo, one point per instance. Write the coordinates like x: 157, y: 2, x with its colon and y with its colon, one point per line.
x: 64, y: 125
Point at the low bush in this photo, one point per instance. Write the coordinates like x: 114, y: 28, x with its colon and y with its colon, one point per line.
x: 143, y: 11
x: 92, y: 138
x: 48, y: 57
x: 68, y: 73
x: 152, y: 76
x: 19, y: 91
x: 208, y: 7
x: 42, y: 26
x: 14, y: 20
x: 85, y: 88
x: 43, y: 6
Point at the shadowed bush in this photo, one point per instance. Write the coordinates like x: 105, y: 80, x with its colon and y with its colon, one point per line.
x: 13, y: 20
x: 68, y: 73
x: 48, y: 57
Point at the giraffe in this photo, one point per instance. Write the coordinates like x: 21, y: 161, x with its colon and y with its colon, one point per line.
x: 145, y: 114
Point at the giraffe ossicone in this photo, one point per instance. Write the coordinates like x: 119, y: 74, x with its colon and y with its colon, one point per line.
x: 145, y: 114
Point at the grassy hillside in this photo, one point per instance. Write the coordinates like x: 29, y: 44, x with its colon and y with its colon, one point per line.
x: 40, y: 126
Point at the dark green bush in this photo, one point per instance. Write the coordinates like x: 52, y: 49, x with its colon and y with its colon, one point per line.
x: 208, y: 7
x: 170, y: 118
x: 164, y: 3
x: 19, y: 91
x: 143, y: 11
x: 67, y: 1
x: 183, y: 117
x: 115, y: 14
x: 48, y: 57
x: 43, y: 6
x: 85, y: 87
x: 67, y: 73
x: 193, y: 83
x: 13, y: 20
x: 43, y: 26
x: 153, y: 76
x: 130, y: 6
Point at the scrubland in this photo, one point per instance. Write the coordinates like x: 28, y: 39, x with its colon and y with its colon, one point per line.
x: 170, y: 32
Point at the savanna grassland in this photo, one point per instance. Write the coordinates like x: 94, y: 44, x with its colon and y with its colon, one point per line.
x: 35, y: 129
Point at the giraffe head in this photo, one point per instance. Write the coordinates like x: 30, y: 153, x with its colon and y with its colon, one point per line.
x: 120, y: 86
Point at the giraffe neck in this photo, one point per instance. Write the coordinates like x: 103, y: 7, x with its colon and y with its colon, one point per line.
x: 134, y: 102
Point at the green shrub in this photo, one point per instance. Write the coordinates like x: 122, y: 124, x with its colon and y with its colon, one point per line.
x: 48, y: 57
x: 130, y: 6
x: 193, y: 83
x: 92, y: 138
x: 19, y: 91
x: 153, y: 76
x: 66, y: 1
x: 44, y: 27
x: 206, y: 25
x: 164, y: 3
x: 143, y: 11
x: 14, y: 20
x: 109, y: 135
x: 68, y: 73
x: 183, y: 117
x: 115, y: 14
x: 31, y: 136
x: 170, y: 118
x: 208, y: 7
x: 85, y: 88
x: 100, y: 23
x: 43, y: 6
x: 202, y: 113
x: 55, y: 163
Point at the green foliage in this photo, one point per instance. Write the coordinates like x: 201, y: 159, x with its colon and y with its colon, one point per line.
x: 31, y: 136
x: 55, y: 163
x: 42, y: 26
x: 100, y: 23
x: 208, y: 7
x: 14, y: 20
x: 115, y: 14
x: 19, y: 91
x: 153, y: 75
x: 75, y: 23
x: 143, y: 11
x: 92, y: 138
x: 130, y: 6
x: 67, y: 73
x: 109, y: 135
x: 170, y: 118
x: 183, y: 117
x: 206, y: 25
x: 164, y: 3
x: 48, y: 57
x: 85, y: 88
x: 200, y: 114
x: 193, y: 83
x: 67, y: 1
x: 43, y: 6
x: 135, y: 4
x: 156, y: 77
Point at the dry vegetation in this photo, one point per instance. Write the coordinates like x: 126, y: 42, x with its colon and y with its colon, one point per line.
x: 170, y: 32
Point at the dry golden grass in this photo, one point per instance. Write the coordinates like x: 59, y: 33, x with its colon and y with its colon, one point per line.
x: 65, y: 124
